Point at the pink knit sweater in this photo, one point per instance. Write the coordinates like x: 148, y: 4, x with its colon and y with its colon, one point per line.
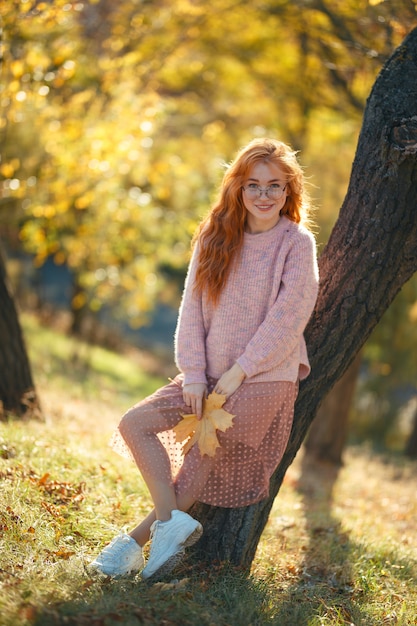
x: 262, y: 313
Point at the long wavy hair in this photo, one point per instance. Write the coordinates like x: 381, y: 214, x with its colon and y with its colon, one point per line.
x: 220, y: 234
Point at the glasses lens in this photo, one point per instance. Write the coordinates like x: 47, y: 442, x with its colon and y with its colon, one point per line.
x: 271, y: 192
x: 274, y: 192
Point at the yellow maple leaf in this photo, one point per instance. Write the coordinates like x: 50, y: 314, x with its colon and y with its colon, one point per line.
x: 192, y: 430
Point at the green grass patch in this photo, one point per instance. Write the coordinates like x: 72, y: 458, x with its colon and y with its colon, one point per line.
x: 84, y: 369
x: 339, y: 551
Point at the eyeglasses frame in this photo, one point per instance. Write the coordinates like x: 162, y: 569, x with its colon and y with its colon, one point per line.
x: 264, y: 190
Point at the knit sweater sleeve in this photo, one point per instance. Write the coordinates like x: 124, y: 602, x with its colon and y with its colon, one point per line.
x: 281, y: 331
x: 190, y: 336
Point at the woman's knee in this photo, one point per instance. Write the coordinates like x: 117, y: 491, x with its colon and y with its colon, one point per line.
x: 130, y: 422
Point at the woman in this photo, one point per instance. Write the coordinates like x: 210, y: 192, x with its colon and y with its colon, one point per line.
x: 250, y: 290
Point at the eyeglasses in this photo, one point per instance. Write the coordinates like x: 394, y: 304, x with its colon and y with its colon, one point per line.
x: 272, y: 191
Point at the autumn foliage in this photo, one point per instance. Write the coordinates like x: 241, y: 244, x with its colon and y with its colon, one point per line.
x: 202, y: 432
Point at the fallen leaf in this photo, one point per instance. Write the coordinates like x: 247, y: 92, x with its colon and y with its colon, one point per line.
x: 192, y: 430
x: 173, y: 587
x: 44, y: 479
x: 63, y: 553
x: 53, y: 510
x: 29, y: 612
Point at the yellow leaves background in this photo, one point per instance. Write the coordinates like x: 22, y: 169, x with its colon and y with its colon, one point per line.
x: 115, y: 123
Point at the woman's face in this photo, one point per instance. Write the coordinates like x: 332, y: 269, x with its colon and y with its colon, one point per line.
x: 263, y: 209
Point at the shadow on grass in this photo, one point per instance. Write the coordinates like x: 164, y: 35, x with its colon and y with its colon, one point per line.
x: 328, y: 590
x: 223, y: 596
x: 325, y: 585
x: 325, y: 591
x: 226, y: 596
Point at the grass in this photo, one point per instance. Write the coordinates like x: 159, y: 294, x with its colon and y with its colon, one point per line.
x: 87, y: 369
x: 338, y: 549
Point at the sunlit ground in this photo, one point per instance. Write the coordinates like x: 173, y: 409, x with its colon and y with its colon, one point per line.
x: 337, y: 549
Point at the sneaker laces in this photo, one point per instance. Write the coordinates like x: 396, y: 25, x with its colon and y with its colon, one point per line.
x: 118, y: 544
x: 152, y: 531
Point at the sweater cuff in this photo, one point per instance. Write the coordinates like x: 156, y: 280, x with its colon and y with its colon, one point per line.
x: 248, y: 367
x: 191, y: 378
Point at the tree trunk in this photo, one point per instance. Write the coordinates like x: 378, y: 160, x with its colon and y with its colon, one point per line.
x: 328, y: 433
x: 17, y: 391
x: 371, y: 253
x: 411, y: 446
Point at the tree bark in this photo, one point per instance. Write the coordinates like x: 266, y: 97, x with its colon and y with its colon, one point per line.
x: 371, y: 253
x: 328, y: 433
x: 17, y: 391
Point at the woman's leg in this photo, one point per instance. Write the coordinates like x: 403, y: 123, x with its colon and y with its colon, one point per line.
x: 174, y: 529
x: 141, y: 533
x: 139, y: 428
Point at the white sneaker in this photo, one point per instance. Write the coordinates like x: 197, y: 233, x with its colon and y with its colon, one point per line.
x: 122, y: 556
x: 168, y: 542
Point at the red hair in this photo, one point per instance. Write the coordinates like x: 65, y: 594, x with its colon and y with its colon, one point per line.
x: 220, y: 234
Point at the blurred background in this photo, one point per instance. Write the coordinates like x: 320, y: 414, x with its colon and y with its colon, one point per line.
x: 116, y: 122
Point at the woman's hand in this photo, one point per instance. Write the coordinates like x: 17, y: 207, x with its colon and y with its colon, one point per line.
x: 230, y: 381
x: 193, y: 395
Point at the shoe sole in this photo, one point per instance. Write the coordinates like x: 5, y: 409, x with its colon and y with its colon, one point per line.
x: 93, y: 568
x: 176, y: 558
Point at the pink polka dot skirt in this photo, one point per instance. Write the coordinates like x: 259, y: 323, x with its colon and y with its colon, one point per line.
x: 249, y: 452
